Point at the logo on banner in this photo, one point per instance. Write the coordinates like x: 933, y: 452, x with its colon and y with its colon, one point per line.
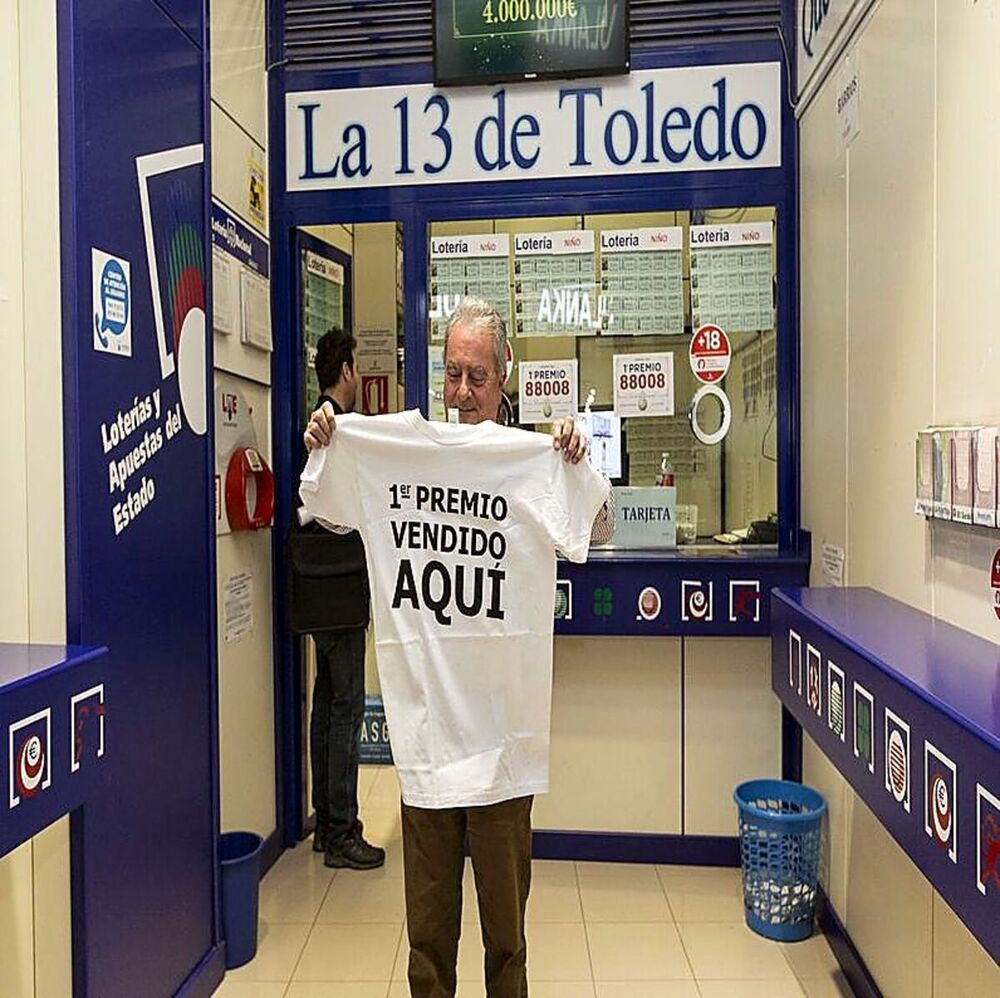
x: 744, y: 601
x: 171, y: 185
x: 29, y: 745
x: 814, y: 671
x: 564, y: 600
x: 87, y: 713
x: 940, y: 819
x: 256, y: 188
x: 835, y: 700
x: 709, y: 354
x: 995, y: 583
x: 696, y: 601
x: 112, y: 302
x: 604, y: 603
x: 987, y: 840
x: 650, y: 604
x: 864, y: 713
x: 374, y: 394
x: 795, y: 661
x: 897, y: 758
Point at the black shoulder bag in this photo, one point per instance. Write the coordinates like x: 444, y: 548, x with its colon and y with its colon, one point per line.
x: 327, y: 580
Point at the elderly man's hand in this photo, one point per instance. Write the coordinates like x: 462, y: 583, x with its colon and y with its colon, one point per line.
x: 322, y: 423
x: 566, y: 436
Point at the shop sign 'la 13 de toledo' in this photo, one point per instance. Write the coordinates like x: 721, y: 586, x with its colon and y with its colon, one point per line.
x: 690, y: 118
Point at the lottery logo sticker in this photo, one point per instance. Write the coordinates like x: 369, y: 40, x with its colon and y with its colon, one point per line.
x: 709, y: 354
x: 564, y: 600
x: 604, y: 602
x: 835, y: 700
x: 940, y: 820
x: 112, y: 306
x: 644, y: 384
x: 29, y: 742
x: 650, y: 604
x: 864, y: 713
x: 744, y: 601
x: 795, y: 661
x: 87, y: 712
x: 987, y: 841
x: 547, y: 390
x: 814, y: 671
x: 995, y: 583
x: 897, y: 758
x: 696, y: 601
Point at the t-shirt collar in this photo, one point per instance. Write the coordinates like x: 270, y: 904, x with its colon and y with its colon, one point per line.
x: 446, y: 434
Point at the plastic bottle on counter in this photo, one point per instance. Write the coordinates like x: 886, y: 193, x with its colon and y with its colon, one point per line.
x: 666, y: 476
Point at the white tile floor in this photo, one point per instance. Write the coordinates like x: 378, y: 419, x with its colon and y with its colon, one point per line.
x: 595, y: 930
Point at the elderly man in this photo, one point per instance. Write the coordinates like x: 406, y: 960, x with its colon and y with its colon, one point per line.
x: 486, y: 756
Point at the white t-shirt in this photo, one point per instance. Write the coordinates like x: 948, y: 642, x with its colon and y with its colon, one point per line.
x: 461, y: 525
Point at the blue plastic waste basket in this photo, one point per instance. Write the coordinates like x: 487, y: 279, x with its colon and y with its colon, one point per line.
x: 239, y: 853
x: 780, y: 828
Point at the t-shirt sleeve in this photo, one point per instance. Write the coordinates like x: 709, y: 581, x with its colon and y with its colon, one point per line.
x: 329, y: 484
x: 575, y: 497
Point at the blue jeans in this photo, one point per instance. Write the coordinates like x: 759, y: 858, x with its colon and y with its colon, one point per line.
x: 338, y: 711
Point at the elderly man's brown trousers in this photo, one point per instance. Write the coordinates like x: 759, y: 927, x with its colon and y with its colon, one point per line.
x: 499, y: 838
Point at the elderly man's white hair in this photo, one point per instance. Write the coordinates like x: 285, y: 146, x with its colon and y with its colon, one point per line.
x: 480, y: 314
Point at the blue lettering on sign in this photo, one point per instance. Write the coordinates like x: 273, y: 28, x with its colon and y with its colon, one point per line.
x: 354, y: 158
x: 712, y: 133
x: 579, y: 94
x: 813, y: 14
x: 650, y: 132
x: 609, y: 137
x: 495, y: 126
x: 441, y: 133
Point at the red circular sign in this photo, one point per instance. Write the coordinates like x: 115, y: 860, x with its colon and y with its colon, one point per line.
x: 995, y: 583
x: 710, y: 354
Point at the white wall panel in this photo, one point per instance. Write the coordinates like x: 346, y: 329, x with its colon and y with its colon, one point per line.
x: 732, y: 727
x: 34, y: 880
x: 42, y: 322
x: 17, y: 924
x: 13, y: 443
x: 962, y: 968
x: 246, y: 669
x: 901, y: 233
x: 967, y: 348
x: 890, y: 314
x: 238, y: 79
x: 615, y: 754
x: 51, y: 901
x: 820, y: 774
x: 888, y: 909
x: 232, y: 151
x: 824, y: 364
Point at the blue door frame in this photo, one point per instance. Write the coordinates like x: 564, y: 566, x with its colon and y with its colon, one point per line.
x: 417, y: 207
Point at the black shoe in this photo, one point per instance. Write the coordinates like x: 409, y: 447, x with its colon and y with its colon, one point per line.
x: 353, y: 853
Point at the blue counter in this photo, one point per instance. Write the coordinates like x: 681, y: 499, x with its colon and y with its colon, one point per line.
x: 711, y: 591
x: 907, y: 707
x: 53, y: 718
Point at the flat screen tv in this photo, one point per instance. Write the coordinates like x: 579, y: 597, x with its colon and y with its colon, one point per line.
x: 491, y: 41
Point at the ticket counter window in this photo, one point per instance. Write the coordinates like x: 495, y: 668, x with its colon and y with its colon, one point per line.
x: 658, y: 329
